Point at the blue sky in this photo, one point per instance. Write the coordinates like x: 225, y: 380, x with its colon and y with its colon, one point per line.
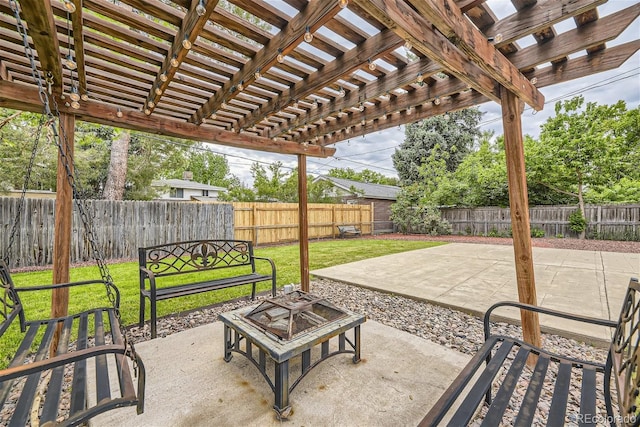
x: 374, y: 151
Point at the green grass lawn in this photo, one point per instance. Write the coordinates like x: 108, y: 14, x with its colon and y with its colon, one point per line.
x: 125, y: 276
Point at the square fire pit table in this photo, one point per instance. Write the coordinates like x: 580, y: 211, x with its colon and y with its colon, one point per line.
x: 242, y: 335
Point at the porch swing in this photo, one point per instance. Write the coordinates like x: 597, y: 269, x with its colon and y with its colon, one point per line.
x: 68, y: 369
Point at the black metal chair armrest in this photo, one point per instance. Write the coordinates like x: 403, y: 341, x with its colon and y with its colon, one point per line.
x: 537, y: 309
x: 60, y: 360
x: 111, y: 286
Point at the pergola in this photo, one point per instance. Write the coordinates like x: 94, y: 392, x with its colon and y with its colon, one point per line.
x: 298, y: 76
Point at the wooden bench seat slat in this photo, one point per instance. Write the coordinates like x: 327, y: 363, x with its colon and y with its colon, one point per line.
x: 560, y: 398
x: 54, y: 389
x: 503, y: 396
x: 532, y: 396
x: 479, y: 389
x: 79, y: 382
x: 23, y: 407
x: 103, y: 389
x: 588, y: 397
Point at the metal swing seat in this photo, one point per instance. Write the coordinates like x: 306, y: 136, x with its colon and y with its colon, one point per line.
x: 68, y: 369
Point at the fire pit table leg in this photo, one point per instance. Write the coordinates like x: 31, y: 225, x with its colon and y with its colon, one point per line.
x: 282, y: 390
x: 227, y: 344
x: 356, y: 339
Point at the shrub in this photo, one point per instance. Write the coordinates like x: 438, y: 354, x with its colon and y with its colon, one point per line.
x: 537, y: 232
x: 433, y: 222
x: 577, y: 222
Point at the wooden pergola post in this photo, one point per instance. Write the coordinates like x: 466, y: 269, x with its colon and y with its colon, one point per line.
x: 62, y: 225
x: 63, y: 216
x: 519, y: 204
x: 303, y: 222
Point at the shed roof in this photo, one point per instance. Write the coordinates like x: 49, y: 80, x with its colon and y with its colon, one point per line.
x: 367, y: 190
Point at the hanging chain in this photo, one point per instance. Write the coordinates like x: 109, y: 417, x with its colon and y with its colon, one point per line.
x: 64, y: 151
x: 25, y: 185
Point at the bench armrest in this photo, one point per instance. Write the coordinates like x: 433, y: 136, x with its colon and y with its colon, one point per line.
x: 273, y: 273
x: 111, y: 287
x: 148, y: 274
x: 551, y: 312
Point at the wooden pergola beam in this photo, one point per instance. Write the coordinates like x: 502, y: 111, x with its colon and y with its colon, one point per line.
x: 450, y: 21
x: 397, y: 118
x: 313, y: 17
x: 603, y: 60
x: 538, y: 17
x: 598, y: 62
x: 325, y: 76
x: 378, y: 87
x: 600, y: 31
x: 191, y: 26
x: 25, y: 98
x: 42, y: 29
x: 409, y: 25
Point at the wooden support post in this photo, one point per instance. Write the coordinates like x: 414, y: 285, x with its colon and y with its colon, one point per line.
x: 303, y: 222
x: 62, y: 223
x: 519, y: 204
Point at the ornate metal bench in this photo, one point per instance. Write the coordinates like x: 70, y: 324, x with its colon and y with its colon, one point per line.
x: 498, y: 369
x: 200, y: 262
x: 40, y: 376
x: 348, y: 230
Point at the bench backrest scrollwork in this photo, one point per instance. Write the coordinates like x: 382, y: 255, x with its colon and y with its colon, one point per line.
x: 196, y: 255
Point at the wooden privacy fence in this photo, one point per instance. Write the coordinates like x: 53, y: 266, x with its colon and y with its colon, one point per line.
x: 611, y: 222
x: 265, y: 223
x: 120, y: 227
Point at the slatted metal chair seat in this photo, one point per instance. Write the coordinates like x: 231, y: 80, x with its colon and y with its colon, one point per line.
x: 499, y: 387
x: 86, y: 373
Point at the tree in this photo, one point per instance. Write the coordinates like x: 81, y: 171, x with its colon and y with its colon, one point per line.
x: 117, y: 174
x: 364, y: 175
x: 580, y: 149
x: 17, y: 134
x: 275, y: 185
x: 454, y: 133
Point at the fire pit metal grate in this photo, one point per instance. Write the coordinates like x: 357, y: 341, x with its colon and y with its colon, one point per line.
x: 293, y: 314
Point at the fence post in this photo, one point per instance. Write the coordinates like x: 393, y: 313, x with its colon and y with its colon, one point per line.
x: 254, y: 220
x: 333, y: 221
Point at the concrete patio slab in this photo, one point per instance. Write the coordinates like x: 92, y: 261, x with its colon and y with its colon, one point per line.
x: 472, y: 277
x: 398, y: 380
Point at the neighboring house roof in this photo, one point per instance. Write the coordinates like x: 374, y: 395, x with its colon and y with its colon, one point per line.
x: 183, y: 183
x: 366, y: 190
